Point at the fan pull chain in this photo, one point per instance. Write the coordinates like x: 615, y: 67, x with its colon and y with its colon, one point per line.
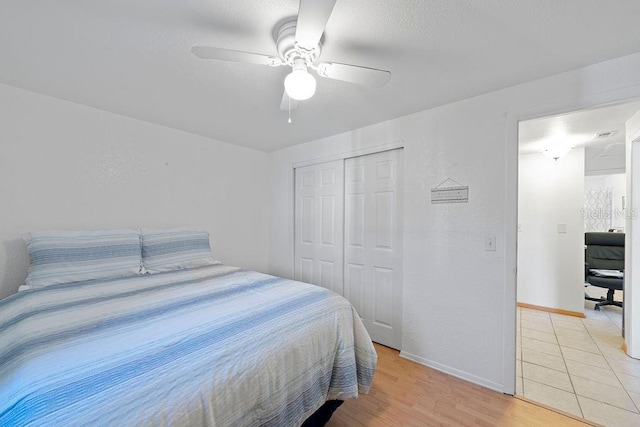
x: 289, y: 99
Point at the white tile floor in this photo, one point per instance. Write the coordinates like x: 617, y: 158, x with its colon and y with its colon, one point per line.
x: 577, y: 365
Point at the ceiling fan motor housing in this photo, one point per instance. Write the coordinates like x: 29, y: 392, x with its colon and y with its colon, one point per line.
x: 289, y: 50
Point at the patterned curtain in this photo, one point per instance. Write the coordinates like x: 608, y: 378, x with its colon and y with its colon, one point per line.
x: 598, y: 210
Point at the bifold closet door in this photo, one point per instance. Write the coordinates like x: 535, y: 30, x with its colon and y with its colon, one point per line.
x: 373, y: 243
x: 319, y: 219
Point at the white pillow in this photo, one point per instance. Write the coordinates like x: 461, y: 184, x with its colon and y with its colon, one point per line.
x: 175, y: 249
x: 72, y: 256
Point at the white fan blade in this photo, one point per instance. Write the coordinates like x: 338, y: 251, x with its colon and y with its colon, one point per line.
x: 354, y: 74
x: 207, y: 52
x: 284, y: 104
x: 312, y: 18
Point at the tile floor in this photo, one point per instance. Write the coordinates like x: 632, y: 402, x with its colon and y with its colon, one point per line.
x: 577, y: 365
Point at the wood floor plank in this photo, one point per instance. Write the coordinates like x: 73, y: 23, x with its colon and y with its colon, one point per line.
x: 405, y: 393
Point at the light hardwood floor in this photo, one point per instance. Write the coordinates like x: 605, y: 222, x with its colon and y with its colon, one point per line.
x: 405, y: 393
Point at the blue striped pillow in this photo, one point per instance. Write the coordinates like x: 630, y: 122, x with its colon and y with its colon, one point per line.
x: 73, y: 256
x: 175, y: 249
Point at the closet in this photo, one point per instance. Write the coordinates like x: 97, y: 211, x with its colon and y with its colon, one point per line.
x: 348, y: 236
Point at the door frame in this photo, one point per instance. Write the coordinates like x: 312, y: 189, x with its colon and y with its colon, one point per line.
x: 349, y: 154
x: 601, y: 99
x: 632, y: 317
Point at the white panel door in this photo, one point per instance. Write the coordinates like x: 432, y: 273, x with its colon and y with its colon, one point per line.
x: 319, y: 219
x: 373, y: 243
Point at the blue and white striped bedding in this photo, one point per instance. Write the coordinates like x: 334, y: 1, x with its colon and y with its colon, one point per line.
x: 175, y: 249
x: 71, y: 256
x: 212, y: 346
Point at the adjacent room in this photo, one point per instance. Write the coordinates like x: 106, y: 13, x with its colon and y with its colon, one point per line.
x: 572, y: 217
x: 310, y: 212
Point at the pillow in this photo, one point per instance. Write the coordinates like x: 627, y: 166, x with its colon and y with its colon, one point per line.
x: 73, y: 256
x: 175, y: 249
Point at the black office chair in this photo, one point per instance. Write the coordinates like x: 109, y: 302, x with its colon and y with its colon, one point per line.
x: 604, y: 251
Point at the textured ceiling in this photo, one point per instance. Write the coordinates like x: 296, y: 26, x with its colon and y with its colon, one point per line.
x: 134, y: 57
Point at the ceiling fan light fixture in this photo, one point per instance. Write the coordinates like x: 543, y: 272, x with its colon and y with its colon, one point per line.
x: 299, y: 45
x: 299, y: 84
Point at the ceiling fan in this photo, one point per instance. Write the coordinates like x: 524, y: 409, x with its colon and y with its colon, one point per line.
x: 298, y: 43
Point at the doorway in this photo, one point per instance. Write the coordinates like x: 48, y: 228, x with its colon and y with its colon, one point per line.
x: 568, y: 355
x: 348, y: 236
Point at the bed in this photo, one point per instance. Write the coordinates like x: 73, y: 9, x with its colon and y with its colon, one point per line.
x: 207, y: 345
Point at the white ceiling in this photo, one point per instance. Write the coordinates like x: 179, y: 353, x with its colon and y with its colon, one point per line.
x: 134, y: 57
x: 578, y: 129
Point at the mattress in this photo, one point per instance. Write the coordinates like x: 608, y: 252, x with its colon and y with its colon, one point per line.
x: 210, y: 346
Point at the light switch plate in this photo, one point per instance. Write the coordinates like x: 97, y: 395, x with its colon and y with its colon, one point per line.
x: 562, y: 228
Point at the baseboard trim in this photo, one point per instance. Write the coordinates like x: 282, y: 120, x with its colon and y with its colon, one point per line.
x: 551, y: 310
x: 453, y: 372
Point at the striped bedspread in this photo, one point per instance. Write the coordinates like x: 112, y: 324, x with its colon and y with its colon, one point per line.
x: 212, y: 346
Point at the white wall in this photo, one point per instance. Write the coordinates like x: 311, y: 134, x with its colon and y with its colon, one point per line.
x: 459, y: 301
x: 66, y: 166
x: 632, y: 239
x: 551, y: 263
